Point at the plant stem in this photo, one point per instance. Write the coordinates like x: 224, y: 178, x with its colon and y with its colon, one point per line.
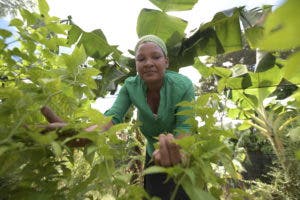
x: 287, y: 123
x: 177, y: 187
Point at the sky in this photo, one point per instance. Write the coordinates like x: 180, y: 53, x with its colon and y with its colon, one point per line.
x: 118, y: 18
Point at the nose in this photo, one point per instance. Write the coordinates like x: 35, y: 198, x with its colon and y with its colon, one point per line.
x: 148, y: 63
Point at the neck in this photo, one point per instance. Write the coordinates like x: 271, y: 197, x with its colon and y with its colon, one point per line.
x: 154, y: 87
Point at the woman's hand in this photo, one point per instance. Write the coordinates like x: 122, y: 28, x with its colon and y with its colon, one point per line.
x: 55, y: 123
x: 168, y: 153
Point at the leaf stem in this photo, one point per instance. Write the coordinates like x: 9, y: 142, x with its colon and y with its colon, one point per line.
x: 263, y: 130
x: 177, y: 187
x: 287, y: 123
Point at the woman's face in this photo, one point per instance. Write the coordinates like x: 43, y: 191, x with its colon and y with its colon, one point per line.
x: 151, y: 62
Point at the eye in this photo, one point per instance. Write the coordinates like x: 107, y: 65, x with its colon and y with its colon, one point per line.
x: 140, y: 59
x: 156, y: 57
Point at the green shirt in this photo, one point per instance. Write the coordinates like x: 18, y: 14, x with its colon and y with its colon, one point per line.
x: 176, y: 88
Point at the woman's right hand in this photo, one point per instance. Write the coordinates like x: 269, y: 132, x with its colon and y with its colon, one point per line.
x: 56, y: 123
x: 168, y: 153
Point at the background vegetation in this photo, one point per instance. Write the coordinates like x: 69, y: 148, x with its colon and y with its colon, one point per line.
x: 244, y: 115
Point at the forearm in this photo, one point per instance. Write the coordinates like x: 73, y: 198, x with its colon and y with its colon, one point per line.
x: 56, y: 123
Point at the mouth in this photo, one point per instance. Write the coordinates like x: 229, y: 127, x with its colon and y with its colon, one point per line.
x: 149, y: 72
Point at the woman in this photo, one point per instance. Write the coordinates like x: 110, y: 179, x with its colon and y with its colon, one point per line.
x: 155, y: 92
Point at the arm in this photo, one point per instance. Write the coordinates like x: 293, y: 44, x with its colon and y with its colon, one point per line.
x: 120, y: 106
x: 55, y: 122
x: 168, y: 153
x: 118, y: 110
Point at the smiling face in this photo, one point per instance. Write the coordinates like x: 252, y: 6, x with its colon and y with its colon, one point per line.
x: 151, y: 63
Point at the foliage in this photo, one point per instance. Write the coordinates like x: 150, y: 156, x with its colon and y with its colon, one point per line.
x: 35, y: 71
x: 257, y: 100
x: 208, y: 171
x: 11, y: 6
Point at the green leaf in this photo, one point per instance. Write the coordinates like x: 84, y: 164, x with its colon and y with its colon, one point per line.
x: 208, y: 172
x: 74, y: 33
x: 228, y: 30
x: 5, y: 33
x: 247, y: 101
x: 59, y: 28
x: 155, y: 170
x: 221, y: 71
x: 54, y: 43
x: 254, y: 35
x: 264, y: 83
x: 102, y: 170
x: 74, y: 60
x: 186, y: 142
x: 185, y: 103
x: 265, y: 61
x: 203, y: 42
x: 233, y: 113
x: 221, y: 84
x: 190, y: 173
x: 291, y: 71
x: 94, y: 116
x: 45, y: 139
x: 29, y: 17
x: 221, y: 35
x: 257, y: 95
x: 43, y: 7
x: 269, y: 78
x: 112, y: 75
x: 281, y: 28
x: 86, y: 77
x: 174, y: 5
x: 95, y: 45
x: 194, y: 192
x: 159, y: 23
x: 229, y: 167
x: 56, y: 148
x: 213, y: 151
x: 202, y: 69
x: 16, y: 22
x: 244, y: 126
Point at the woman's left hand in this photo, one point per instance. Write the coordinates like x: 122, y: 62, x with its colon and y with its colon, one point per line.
x: 168, y: 153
